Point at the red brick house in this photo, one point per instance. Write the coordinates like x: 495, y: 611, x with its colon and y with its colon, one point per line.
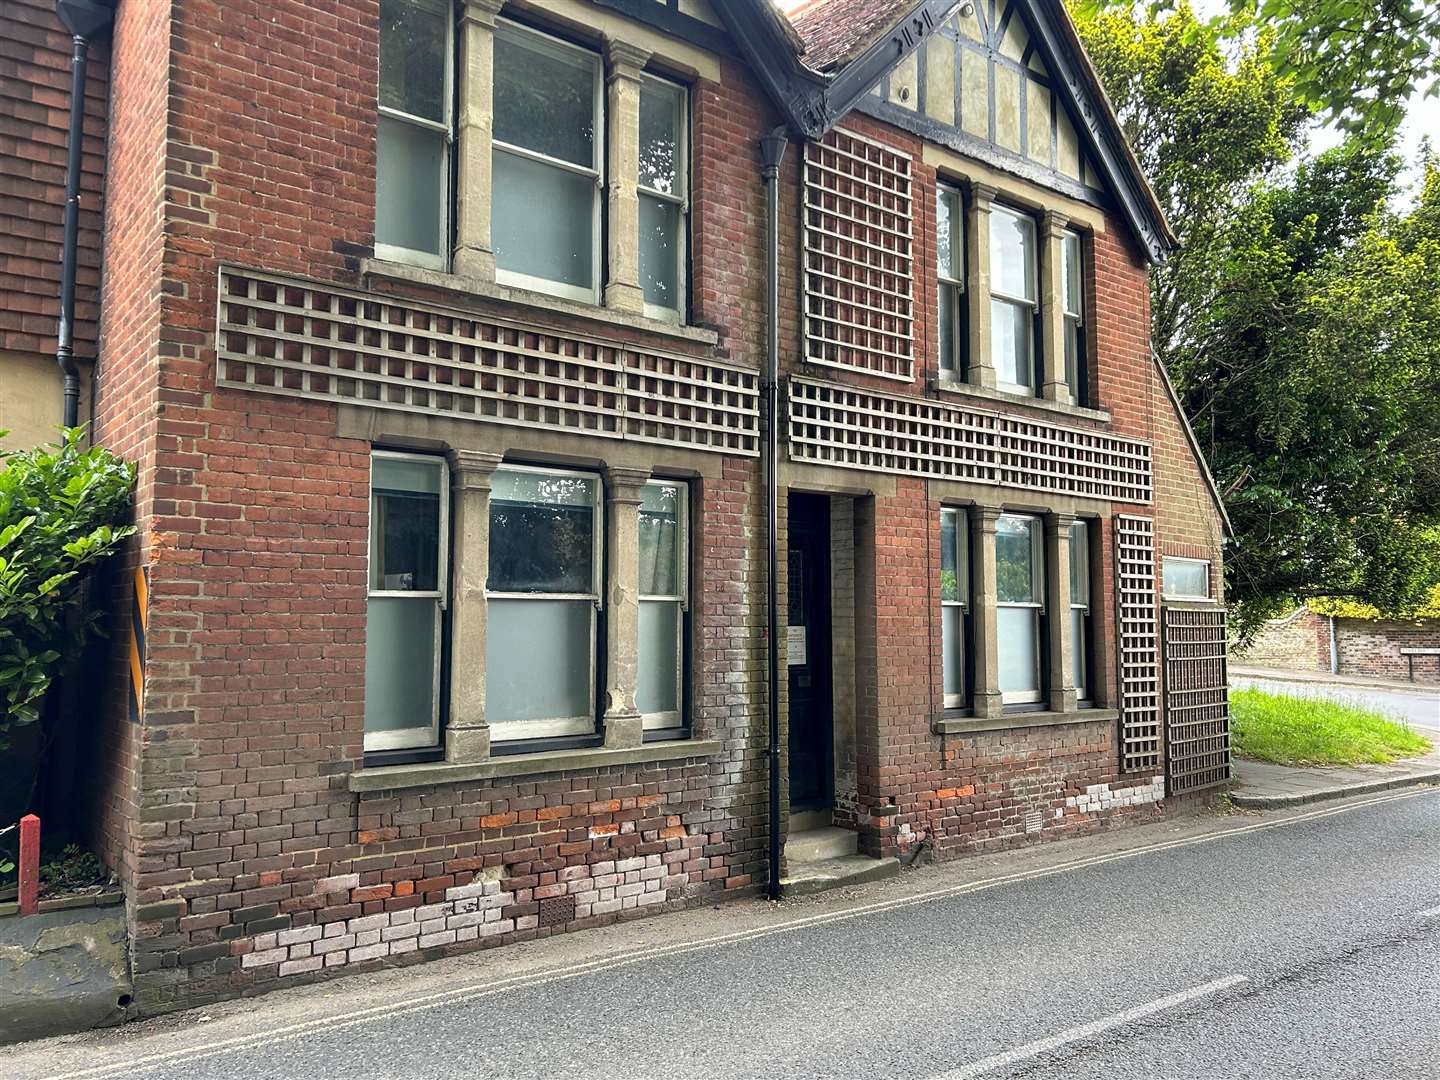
x: 440, y: 330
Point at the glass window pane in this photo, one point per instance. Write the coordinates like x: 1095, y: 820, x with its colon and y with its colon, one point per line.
x: 404, y: 525
x: 662, y: 541
x: 660, y: 120
x: 657, y: 686
x: 412, y: 58
x: 542, y: 533
x: 1012, y: 254
x: 409, y: 186
x: 1011, y: 329
x: 1071, y: 274
x: 543, y: 221
x: 952, y: 644
x: 538, y: 659
x: 1015, y: 583
x: 1018, y: 649
x: 400, y: 636
x: 545, y: 97
x: 1078, y: 623
x: 949, y: 564
x: 1187, y: 577
x: 949, y: 330
x: 1079, y: 563
x: 660, y: 251
x: 1073, y: 341
x: 949, y: 235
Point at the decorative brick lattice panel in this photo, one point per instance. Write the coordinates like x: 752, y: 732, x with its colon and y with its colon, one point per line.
x: 291, y: 336
x: 863, y: 429
x: 1197, y: 699
x: 1139, y: 644
x: 858, y: 288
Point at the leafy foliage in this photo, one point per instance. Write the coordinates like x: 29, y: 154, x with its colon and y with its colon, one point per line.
x: 61, y: 512
x: 72, y: 868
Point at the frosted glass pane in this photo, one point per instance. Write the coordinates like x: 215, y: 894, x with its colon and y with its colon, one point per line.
x: 537, y: 660
x: 660, y: 126
x: 399, y: 663
x: 948, y: 233
x: 657, y: 686
x: 1018, y: 649
x: 660, y: 252
x: 952, y: 644
x: 542, y: 221
x: 1012, y: 255
x: 1011, y: 330
x: 1186, y: 577
x: 950, y: 330
x: 662, y: 544
x: 545, y: 97
x: 542, y: 532
x: 1015, y: 583
x: 1079, y: 563
x: 1077, y: 648
x: 1071, y: 273
x: 409, y: 186
x: 412, y: 59
x: 404, y: 525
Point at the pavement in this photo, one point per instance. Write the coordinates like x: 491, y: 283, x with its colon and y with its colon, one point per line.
x: 1284, y: 944
x: 1260, y: 785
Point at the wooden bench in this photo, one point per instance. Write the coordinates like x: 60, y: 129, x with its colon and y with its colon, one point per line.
x: 1410, y: 655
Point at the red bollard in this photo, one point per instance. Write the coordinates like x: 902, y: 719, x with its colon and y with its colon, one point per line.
x: 29, y: 863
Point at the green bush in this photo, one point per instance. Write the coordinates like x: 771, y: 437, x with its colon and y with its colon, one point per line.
x: 62, y: 510
x: 1290, y: 730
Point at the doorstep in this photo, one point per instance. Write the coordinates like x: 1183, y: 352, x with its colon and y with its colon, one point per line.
x: 826, y: 857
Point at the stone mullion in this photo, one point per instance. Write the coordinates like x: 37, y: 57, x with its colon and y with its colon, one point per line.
x: 1057, y: 606
x: 981, y: 363
x: 984, y: 596
x: 474, y: 254
x: 467, y: 732
x: 624, y: 489
x: 622, y: 288
x: 1054, y: 385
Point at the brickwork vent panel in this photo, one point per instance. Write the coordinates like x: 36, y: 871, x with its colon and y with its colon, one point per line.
x: 308, y: 339
x: 859, y: 306
x: 1197, y: 699
x: 557, y: 910
x: 865, y: 429
x: 1139, y: 644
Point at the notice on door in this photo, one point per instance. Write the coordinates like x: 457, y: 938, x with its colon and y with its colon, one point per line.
x: 795, y: 644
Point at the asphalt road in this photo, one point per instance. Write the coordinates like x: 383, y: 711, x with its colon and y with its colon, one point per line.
x: 1305, y: 945
x: 1420, y: 709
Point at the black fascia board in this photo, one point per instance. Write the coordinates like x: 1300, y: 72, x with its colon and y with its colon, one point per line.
x: 800, y: 93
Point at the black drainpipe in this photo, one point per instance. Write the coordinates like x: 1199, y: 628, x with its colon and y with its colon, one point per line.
x: 84, y: 19
x: 772, y: 150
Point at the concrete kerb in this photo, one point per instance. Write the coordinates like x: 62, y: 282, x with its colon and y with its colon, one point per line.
x: 1290, y: 800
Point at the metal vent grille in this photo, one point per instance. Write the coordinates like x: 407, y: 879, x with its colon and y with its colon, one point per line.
x: 858, y: 267
x: 1139, y: 644
x: 865, y: 429
x: 301, y: 338
x: 1197, y: 699
x: 556, y: 910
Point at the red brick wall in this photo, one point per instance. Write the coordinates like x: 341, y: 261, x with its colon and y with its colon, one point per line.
x: 1372, y: 647
x: 34, y: 131
x: 1298, y: 642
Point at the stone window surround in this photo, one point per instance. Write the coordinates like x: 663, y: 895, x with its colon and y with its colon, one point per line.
x: 473, y: 456
x: 627, y: 51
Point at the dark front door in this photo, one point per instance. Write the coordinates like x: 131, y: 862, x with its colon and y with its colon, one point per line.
x: 808, y: 645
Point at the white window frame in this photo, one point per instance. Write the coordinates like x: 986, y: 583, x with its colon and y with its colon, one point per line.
x: 951, y: 370
x: 1037, y: 607
x: 1031, y: 304
x: 666, y: 721
x: 549, y: 42
x: 1209, y: 597
x: 680, y: 198
x: 426, y: 735
x: 962, y: 588
x: 395, y: 253
x: 1080, y: 581
x: 1073, y: 345
x: 509, y: 730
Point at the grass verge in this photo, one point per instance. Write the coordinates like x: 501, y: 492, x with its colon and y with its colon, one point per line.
x: 1292, y: 730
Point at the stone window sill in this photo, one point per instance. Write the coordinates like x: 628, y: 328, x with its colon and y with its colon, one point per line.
x: 959, y: 389
x: 431, y: 773
x: 541, y: 303
x: 966, y: 725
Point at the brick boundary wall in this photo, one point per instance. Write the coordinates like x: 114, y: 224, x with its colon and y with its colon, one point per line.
x: 1372, y: 647
x: 1298, y: 642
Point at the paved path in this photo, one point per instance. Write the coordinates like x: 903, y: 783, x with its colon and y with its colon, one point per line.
x: 1292, y: 944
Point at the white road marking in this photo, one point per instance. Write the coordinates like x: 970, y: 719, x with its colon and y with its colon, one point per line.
x: 477, y: 991
x: 1089, y: 1031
